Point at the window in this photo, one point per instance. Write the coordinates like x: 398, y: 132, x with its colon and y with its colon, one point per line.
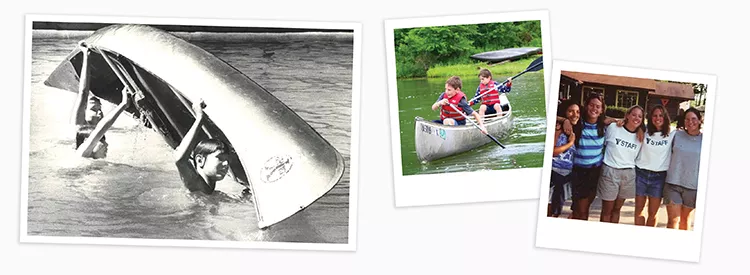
x: 564, y: 93
x: 587, y: 90
x: 626, y: 99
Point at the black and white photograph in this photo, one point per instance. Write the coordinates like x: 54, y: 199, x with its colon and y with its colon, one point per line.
x: 214, y: 133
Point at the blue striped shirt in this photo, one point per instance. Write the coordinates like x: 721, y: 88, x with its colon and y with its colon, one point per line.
x: 590, y: 150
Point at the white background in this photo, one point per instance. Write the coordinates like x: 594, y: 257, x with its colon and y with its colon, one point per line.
x: 710, y: 37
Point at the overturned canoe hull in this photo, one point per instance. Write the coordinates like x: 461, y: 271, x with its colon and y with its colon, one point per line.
x: 434, y: 141
x: 284, y: 161
x: 506, y: 54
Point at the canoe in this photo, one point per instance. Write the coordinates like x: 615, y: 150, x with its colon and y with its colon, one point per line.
x: 506, y: 54
x: 434, y: 140
x: 286, y: 164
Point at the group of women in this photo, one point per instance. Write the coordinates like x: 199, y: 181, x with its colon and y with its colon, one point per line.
x: 624, y: 159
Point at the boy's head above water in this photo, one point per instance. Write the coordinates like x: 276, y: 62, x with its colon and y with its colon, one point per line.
x: 210, y: 158
x: 95, y: 104
x: 100, y: 151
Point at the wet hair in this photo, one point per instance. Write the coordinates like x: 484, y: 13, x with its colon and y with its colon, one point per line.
x: 207, y: 147
x: 643, y: 117
x: 83, y: 133
x: 697, y: 114
x: 454, y: 82
x: 578, y: 128
x: 665, y: 128
x: 95, y: 99
x: 485, y: 73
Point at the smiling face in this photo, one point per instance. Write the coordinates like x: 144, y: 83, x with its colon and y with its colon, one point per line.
x: 573, y: 113
x: 657, y: 118
x: 593, y: 109
x: 692, y: 123
x: 634, y: 118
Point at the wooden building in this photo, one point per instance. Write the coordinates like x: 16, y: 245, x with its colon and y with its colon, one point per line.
x: 622, y: 92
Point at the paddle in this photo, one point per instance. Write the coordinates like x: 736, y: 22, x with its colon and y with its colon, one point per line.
x: 476, y: 125
x: 535, y: 65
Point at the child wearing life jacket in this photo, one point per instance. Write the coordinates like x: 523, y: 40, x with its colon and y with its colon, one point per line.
x: 490, y: 91
x: 452, y: 102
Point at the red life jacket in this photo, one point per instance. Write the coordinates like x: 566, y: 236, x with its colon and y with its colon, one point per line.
x: 492, y: 97
x: 446, y: 111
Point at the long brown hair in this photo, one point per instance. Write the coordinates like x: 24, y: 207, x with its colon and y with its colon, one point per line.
x: 578, y: 128
x: 665, y: 128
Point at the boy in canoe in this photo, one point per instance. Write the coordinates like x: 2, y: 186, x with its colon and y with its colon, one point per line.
x: 209, y: 161
x: 490, y: 92
x: 454, y: 109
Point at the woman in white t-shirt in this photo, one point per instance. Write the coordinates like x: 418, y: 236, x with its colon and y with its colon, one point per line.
x: 651, y: 165
x: 617, y: 180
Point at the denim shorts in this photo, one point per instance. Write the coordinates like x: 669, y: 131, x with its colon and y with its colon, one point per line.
x: 649, y: 183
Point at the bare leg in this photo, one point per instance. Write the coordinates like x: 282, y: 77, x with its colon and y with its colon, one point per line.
x: 616, y: 210
x: 482, y: 110
x: 685, y: 217
x: 498, y: 109
x: 449, y: 121
x: 583, y: 205
x: 653, y: 208
x: 640, y: 202
x: 606, y: 211
x: 673, y: 215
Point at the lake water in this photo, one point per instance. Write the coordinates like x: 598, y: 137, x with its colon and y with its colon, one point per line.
x: 136, y: 191
x: 524, y: 144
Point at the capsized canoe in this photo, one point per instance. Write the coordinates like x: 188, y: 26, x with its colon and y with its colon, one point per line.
x: 434, y: 140
x: 506, y: 54
x: 283, y: 160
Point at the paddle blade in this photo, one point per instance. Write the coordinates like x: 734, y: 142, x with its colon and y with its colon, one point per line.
x: 536, y: 65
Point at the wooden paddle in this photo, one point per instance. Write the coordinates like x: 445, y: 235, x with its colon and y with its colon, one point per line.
x: 535, y: 65
x: 476, y: 125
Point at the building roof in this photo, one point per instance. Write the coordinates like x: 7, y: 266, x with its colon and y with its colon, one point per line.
x: 642, y: 83
x: 678, y: 90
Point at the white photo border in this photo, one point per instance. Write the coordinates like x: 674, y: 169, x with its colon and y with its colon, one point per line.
x: 619, y: 239
x: 516, y: 184
x: 351, y: 245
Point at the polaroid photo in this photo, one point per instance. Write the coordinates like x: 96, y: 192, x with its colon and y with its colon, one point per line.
x: 190, y: 132
x: 467, y: 106
x: 626, y: 161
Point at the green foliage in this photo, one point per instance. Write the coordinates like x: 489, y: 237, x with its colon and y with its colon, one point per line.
x: 419, y: 49
x: 617, y: 112
x: 472, y: 69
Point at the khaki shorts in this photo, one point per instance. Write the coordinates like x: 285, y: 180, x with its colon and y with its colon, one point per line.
x: 679, y: 195
x: 616, y: 183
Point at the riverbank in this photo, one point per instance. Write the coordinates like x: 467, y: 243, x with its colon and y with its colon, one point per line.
x: 472, y: 69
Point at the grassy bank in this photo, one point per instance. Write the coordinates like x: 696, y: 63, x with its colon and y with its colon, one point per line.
x: 472, y: 69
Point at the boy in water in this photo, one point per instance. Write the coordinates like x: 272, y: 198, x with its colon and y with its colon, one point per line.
x: 209, y: 157
x: 452, y: 102
x: 490, y: 91
x: 91, y: 123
